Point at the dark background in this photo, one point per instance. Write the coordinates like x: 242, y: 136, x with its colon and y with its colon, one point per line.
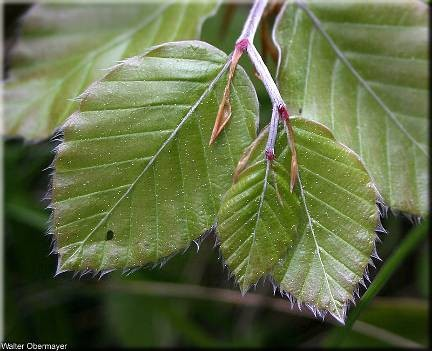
x: 188, y: 302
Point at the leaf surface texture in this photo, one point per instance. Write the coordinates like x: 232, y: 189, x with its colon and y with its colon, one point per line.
x: 361, y: 68
x: 317, y: 241
x: 135, y: 179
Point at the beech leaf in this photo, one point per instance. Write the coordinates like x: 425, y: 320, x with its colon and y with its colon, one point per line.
x: 135, y: 180
x: 317, y: 241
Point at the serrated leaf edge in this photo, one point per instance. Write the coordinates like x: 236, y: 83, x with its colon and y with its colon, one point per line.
x: 59, y: 136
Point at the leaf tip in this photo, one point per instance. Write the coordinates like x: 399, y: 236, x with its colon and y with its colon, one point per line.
x: 294, y: 172
x: 59, y: 269
x: 244, y: 286
x: 339, y: 314
x: 223, y: 115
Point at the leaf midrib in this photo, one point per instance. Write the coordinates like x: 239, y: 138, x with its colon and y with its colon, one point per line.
x: 154, y: 157
x: 260, y: 206
x: 317, y: 247
x: 283, y: 154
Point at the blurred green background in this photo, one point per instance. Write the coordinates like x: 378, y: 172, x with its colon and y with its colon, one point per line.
x: 190, y: 301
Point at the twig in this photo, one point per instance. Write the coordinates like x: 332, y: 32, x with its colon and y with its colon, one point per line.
x: 279, y: 106
x: 279, y: 109
x: 253, y: 20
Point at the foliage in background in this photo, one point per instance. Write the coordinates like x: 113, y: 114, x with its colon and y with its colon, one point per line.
x: 362, y: 70
x: 64, y: 47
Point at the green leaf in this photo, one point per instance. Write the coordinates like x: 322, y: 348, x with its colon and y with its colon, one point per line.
x: 258, y: 218
x: 65, y: 47
x: 135, y: 179
x: 361, y: 69
x: 322, y: 235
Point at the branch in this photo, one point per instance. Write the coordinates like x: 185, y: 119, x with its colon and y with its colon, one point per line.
x: 254, y: 18
x: 280, y: 111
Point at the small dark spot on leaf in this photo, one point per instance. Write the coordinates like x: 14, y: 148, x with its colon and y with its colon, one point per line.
x: 109, y: 235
